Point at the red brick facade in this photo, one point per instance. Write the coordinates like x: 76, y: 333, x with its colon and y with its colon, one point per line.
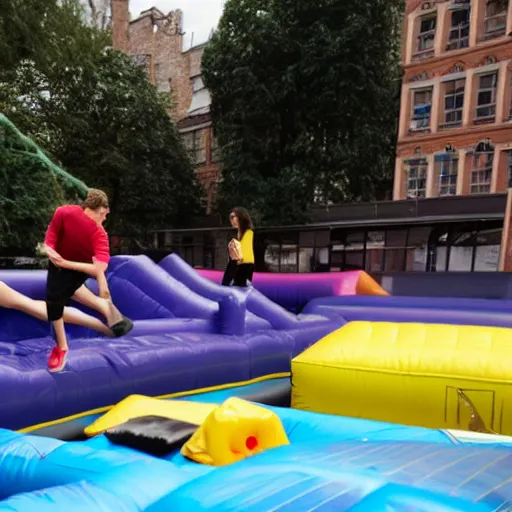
x: 455, y: 134
x: 155, y: 41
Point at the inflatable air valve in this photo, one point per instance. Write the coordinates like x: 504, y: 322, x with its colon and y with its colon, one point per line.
x: 234, y: 431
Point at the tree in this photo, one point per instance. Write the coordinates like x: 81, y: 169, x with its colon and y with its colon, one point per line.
x: 101, y: 119
x: 305, y: 99
x: 46, y: 32
x: 31, y: 188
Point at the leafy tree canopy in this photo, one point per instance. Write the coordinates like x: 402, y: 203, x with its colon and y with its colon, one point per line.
x: 101, y: 119
x: 305, y: 99
x: 31, y: 188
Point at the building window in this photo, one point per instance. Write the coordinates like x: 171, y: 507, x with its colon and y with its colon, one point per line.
x: 422, y: 109
x: 201, y: 100
x: 487, y: 250
x: 447, y: 167
x: 197, y: 84
x: 486, y: 100
x: 142, y: 60
x: 417, y: 177
x: 215, y: 150
x: 454, y: 102
x: 495, y: 24
x: 510, y: 93
x: 195, y: 144
x: 348, y: 250
x: 481, y: 172
x: 417, y: 249
x: 458, y: 37
x: 426, y: 37
x: 510, y: 169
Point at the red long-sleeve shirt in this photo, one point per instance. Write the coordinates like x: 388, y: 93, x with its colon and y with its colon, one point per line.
x: 76, y: 237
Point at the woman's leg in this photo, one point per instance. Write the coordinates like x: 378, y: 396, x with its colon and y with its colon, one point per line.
x: 244, y: 273
x: 229, y: 273
x: 12, y: 299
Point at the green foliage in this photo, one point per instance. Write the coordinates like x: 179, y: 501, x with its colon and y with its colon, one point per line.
x: 305, y: 99
x: 11, y: 139
x: 101, y: 119
x: 31, y: 188
x: 46, y: 32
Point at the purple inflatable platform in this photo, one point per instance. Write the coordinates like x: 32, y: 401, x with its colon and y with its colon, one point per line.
x: 456, y: 311
x: 189, y: 334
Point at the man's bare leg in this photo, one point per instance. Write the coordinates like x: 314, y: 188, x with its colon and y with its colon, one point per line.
x: 60, y: 334
x: 58, y: 356
x: 104, y: 306
x: 12, y: 299
x: 77, y: 317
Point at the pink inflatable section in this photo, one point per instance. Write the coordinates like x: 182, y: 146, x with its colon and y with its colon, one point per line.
x: 294, y: 291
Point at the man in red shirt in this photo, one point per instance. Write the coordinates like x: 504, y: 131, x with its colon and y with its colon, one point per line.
x: 77, y: 246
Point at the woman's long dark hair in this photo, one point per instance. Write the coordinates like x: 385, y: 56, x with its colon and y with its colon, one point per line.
x: 244, y: 220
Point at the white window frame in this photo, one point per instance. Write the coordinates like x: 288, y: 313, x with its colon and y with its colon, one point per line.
x: 419, y: 190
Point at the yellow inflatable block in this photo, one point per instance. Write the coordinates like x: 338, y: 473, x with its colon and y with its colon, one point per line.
x: 233, y: 431
x: 138, y: 406
x: 438, y: 376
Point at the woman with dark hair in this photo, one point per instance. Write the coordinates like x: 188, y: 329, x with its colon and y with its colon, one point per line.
x: 241, y: 252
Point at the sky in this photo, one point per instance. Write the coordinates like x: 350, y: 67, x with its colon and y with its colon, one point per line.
x: 199, y: 16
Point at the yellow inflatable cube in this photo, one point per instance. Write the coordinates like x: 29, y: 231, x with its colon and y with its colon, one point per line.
x: 438, y: 376
x: 233, y: 431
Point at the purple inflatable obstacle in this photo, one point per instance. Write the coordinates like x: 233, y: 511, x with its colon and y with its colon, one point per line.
x: 257, y: 303
x: 184, y: 340
x: 488, y: 312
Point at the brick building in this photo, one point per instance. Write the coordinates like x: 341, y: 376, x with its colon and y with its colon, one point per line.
x: 455, y: 132
x: 155, y: 42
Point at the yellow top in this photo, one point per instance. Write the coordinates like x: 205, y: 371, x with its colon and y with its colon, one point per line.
x: 247, y: 247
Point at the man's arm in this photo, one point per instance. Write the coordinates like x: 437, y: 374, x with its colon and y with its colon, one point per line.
x: 92, y: 269
x: 96, y: 270
x: 53, y: 232
x: 101, y: 260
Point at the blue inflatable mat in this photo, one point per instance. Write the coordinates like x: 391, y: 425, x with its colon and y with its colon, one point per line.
x: 332, y: 463
x: 373, y: 476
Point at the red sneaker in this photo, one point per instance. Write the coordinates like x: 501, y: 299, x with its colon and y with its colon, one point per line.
x: 57, y: 359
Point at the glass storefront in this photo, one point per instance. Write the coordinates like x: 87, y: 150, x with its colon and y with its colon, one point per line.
x: 452, y: 247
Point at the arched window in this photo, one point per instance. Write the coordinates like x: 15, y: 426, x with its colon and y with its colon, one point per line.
x: 481, y: 171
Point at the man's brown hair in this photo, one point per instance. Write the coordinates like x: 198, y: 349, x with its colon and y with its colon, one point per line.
x: 95, y: 200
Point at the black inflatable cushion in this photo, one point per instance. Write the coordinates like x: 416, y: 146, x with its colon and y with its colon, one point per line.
x: 153, y: 435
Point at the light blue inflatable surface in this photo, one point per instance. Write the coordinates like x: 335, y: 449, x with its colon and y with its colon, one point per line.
x: 332, y: 463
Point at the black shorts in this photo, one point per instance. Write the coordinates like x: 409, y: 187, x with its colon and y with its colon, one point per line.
x: 61, y: 285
